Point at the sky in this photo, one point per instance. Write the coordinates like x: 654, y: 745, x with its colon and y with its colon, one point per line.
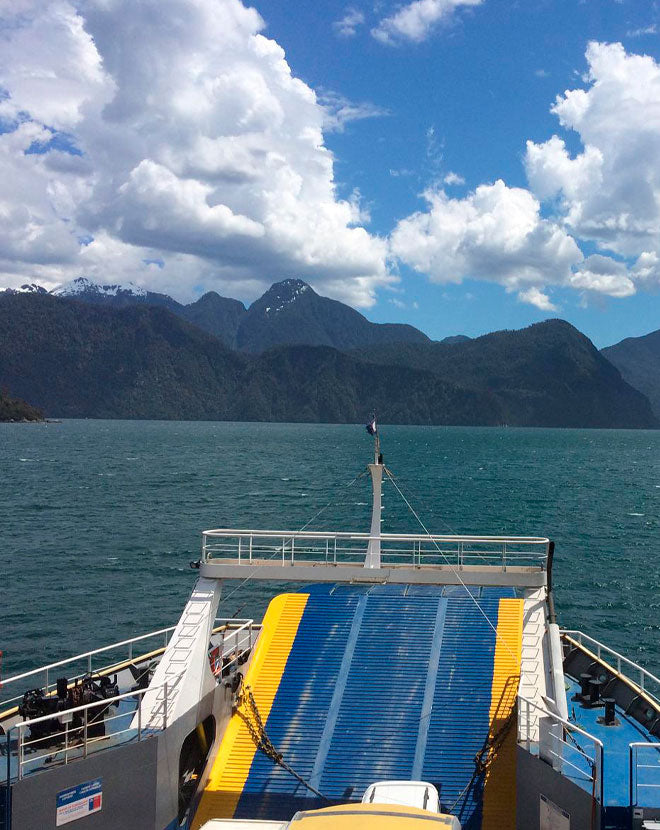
x: 459, y: 165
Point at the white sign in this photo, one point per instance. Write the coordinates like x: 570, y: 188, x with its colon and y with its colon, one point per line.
x: 553, y: 817
x: 78, y: 802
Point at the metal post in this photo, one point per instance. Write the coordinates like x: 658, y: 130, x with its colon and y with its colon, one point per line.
x: 89, y: 663
x: 250, y: 547
x: 631, y: 790
x: 239, y: 550
x: 293, y: 542
x: 165, y: 706
x: 66, y: 742
x: 85, y: 734
x: 46, y: 681
x: 250, y: 630
x: 140, y: 699
x: 8, y: 764
x: 20, y: 753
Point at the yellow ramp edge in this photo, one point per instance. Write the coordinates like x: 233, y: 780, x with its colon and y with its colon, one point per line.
x: 499, y: 800
x: 236, y: 752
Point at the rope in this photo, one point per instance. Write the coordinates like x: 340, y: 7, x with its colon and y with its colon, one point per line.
x: 453, y: 569
x: 257, y: 730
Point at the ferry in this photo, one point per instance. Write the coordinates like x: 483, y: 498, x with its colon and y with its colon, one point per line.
x: 400, y: 679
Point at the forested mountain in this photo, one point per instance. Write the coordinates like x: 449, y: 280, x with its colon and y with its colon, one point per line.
x: 13, y: 409
x: 548, y: 373
x: 638, y: 360
x: 79, y: 360
x: 142, y: 361
x: 289, y: 313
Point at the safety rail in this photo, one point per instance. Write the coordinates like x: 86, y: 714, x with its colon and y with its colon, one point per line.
x: 568, y: 757
x: 244, y: 547
x: 74, y: 742
x: 647, y: 682
x: 634, y: 772
x: 86, y: 659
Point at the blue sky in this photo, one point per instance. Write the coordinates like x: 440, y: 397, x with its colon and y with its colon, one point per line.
x: 483, y: 83
x: 378, y: 150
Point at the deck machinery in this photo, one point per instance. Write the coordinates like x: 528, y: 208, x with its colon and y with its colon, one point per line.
x: 405, y: 657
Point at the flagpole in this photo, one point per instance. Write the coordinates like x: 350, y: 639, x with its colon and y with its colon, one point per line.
x: 372, y: 559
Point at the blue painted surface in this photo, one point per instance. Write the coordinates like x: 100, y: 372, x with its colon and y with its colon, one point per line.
x: 365, y: 663
x: 616, y: 741
x: 459, y: 723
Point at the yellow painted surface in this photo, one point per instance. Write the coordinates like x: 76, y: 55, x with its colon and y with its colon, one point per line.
x: 234, y: 758
x: 499, y: 801
x: 371, y: 817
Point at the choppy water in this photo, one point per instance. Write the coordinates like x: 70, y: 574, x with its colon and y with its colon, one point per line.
x: 99, y: 519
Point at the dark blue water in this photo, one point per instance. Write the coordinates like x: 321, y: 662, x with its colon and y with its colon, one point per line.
x: 99, y: 519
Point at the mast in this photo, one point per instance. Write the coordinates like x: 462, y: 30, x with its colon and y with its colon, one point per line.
x: 372, y: 559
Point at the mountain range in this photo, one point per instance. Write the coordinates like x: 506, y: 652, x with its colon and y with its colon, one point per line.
x: 118, y: 351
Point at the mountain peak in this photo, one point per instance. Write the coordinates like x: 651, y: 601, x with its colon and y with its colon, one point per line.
x: 83, y: 285
x: 27, y: 288
x: 281, y: 294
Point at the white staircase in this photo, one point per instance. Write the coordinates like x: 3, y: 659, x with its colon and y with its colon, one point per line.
x: 183, y: 675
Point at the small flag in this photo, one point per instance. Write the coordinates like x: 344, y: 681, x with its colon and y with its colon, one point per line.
x: 371, y: 426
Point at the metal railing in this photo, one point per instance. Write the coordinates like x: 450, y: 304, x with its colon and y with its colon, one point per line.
x: 244, y: 547
x: 636, y: 768
x: 558, y: 745
x: 647, y: 682
x: 85, y: 663
x: 74, y: 742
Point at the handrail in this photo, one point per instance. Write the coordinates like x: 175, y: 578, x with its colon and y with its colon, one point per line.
x: 313, y: 534
x: 21, y: 726
x: 229, y: 622
x: 620, y: 658
x: 571, y: 727
x: 243, y: 547
x: 632, y: 769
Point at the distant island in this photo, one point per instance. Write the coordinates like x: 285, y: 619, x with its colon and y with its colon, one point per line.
x: 16, y: 410
x: 117, y: 351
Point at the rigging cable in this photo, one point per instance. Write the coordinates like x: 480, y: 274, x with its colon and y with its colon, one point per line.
x: 452, y: 568
x: 292, y: 536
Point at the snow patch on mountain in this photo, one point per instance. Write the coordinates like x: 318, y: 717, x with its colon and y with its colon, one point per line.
x: 83, y: 285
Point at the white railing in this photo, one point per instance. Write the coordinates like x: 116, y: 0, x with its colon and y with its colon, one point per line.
x: 244, y: 547
x: 651, y: 795
x: 647, y: 682
x: 85, y: 663
x: 558, y: 745
x: 75, y: 742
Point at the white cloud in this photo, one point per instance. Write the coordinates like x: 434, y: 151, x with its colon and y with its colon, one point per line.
x: 603, y: 275
x: 610, y: 192
x: 199, y: 147
x: 347, y: 26
x: 534, y: 296
x: 415, y: 21
x: 453, y: 178
x: 339, y: 110
x: 495, y: 233
x: 652, y: 29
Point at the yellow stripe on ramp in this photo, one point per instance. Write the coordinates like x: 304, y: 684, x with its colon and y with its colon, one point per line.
x: 234, y: 759
x: 499, y: 799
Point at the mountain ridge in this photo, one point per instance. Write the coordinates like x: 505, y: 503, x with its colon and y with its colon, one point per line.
x: 143, y: 361
x: 638, y: 360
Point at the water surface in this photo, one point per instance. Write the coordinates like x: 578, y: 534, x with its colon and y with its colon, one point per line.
x: 100, y: 519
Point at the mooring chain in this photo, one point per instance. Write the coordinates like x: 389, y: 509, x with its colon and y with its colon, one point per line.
x: 257, y: 730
